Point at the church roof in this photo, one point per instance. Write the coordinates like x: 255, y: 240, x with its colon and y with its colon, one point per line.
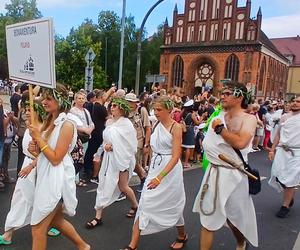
x: 289, y: 46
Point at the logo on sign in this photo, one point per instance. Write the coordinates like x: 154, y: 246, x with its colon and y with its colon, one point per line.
x: 28, y: 67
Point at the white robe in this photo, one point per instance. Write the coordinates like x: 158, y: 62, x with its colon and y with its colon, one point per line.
x: 233, y: 200
x: 286, y: 167
x: 22, y: 199
x: 122, y: 136
x: 55, y: 183
x: 162, y: 208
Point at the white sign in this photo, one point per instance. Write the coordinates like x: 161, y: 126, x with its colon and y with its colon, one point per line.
x: 30, y: 52
x: 90, y: 56
x: 155, y: 78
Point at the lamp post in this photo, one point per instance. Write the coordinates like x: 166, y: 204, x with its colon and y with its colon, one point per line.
x: 122, y: 45
x: 139, y: 49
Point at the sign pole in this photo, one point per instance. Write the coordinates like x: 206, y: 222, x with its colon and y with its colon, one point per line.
x: 32, y: 117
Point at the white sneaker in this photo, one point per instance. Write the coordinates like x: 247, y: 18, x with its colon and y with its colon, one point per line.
x: 121, y: 197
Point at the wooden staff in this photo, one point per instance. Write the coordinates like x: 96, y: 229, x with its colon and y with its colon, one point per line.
x: 32, y: 118
x: 236, y: 166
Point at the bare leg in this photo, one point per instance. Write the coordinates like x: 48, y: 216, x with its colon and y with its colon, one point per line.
x: 68, y: 230
x: 140, y: 172
x: 8, y: 235
x: 181, y: 236
x: 39, y: 232
x: 240, y: 238
x: 288, y: 195
x: 187, y: 156
x: 124, y: 187
x: 135, y: 235
x: 206, y: 239
x: 96, y: 167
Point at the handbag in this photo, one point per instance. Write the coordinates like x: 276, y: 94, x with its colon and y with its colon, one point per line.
x: 254, y: 185
x: 83, y: 137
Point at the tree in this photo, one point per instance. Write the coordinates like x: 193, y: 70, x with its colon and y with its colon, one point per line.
x: 70, y: 54
x: 17, y: 11
x: 109, y: 25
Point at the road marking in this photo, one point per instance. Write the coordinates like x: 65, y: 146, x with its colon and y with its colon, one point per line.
x: 297, y: 244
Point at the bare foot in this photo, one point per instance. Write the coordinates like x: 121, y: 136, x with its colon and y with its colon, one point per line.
x: 85, y: 247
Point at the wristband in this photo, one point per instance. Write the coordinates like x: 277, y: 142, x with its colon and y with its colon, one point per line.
x: 158, y: 180
x: 44, y: 148
x: 163, y: 174
x: 218, y: 129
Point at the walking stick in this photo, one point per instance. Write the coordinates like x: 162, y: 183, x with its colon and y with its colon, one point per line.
x: 236, y: 166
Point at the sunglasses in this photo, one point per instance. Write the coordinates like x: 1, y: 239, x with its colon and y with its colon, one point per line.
x: 114, y: 105
x: 226, y: 93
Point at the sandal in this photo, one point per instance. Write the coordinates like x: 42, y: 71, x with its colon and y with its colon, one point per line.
x: 53, y: 232
x: 132, y: 212
x: 91, y: 225
x: 81, y: 184
x: 4, y: 242
x: 179, y: 241
x: 129, y: 248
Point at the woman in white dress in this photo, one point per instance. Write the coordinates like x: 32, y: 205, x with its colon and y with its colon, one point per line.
x: 55, y: 191
x: 120, y: 146
x: 163, y: 197
x: 22, y: 199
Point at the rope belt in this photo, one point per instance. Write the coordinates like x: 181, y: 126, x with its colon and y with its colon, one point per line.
x: 216, y: 192
x: 287, y: 148
x: 158, y: 156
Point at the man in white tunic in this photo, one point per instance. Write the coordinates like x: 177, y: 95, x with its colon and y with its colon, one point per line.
x: 285, y: 152
x: 224, y: 193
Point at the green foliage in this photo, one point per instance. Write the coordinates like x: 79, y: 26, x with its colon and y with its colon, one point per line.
x: 70, y: 54
x: 103, y: 37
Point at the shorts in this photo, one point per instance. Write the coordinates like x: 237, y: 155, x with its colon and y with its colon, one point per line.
x: 139, y: 157
x: 259, y: 132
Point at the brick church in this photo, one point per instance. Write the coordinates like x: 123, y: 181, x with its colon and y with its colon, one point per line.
x: 215, y: 40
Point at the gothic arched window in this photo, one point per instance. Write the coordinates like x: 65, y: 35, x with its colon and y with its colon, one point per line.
x: 232, y: 68
x: 262, y: 75
x: 177, y: 74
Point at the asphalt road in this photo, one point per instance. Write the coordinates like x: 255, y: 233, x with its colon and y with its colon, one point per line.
x: 274, y: 233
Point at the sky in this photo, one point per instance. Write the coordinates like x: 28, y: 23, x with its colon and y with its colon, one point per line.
x: 281, y: 18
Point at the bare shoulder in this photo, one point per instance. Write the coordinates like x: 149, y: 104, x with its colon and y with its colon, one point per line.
x: 177, y: 128
x: 68, y: 126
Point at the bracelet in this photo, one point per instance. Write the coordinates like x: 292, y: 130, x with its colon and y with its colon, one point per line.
x: 43, y: 148
x: 163, y: 174
x: 158, y: 180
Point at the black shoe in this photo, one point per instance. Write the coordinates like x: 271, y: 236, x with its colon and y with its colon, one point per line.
x: 283, y: 212
x: 94, y: 180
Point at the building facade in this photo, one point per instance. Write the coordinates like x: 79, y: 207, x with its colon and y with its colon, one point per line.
x: 290, y: 48
x: 215, y: 40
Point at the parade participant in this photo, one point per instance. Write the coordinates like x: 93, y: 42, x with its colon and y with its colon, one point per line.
x: 140, y: 120
x: 190, y: 120
x: 55, y: 191
x: 285, y: 174
x: 119, y: 144
x: 22, y: 199
x: 99, y: 115
x: 163, y: 197
x: 224, y: 193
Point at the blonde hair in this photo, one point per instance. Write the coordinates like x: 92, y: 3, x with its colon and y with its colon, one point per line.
x: 165, y: 102
x: 48, y: 125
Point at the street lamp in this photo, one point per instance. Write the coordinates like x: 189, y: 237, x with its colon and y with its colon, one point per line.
x: 122, y: 45
x: 139, y: 49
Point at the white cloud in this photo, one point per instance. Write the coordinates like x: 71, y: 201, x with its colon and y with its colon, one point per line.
x: 2, y: 5
x: 78, y: 3
x: 43, y: 4
x: 281, y: 26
